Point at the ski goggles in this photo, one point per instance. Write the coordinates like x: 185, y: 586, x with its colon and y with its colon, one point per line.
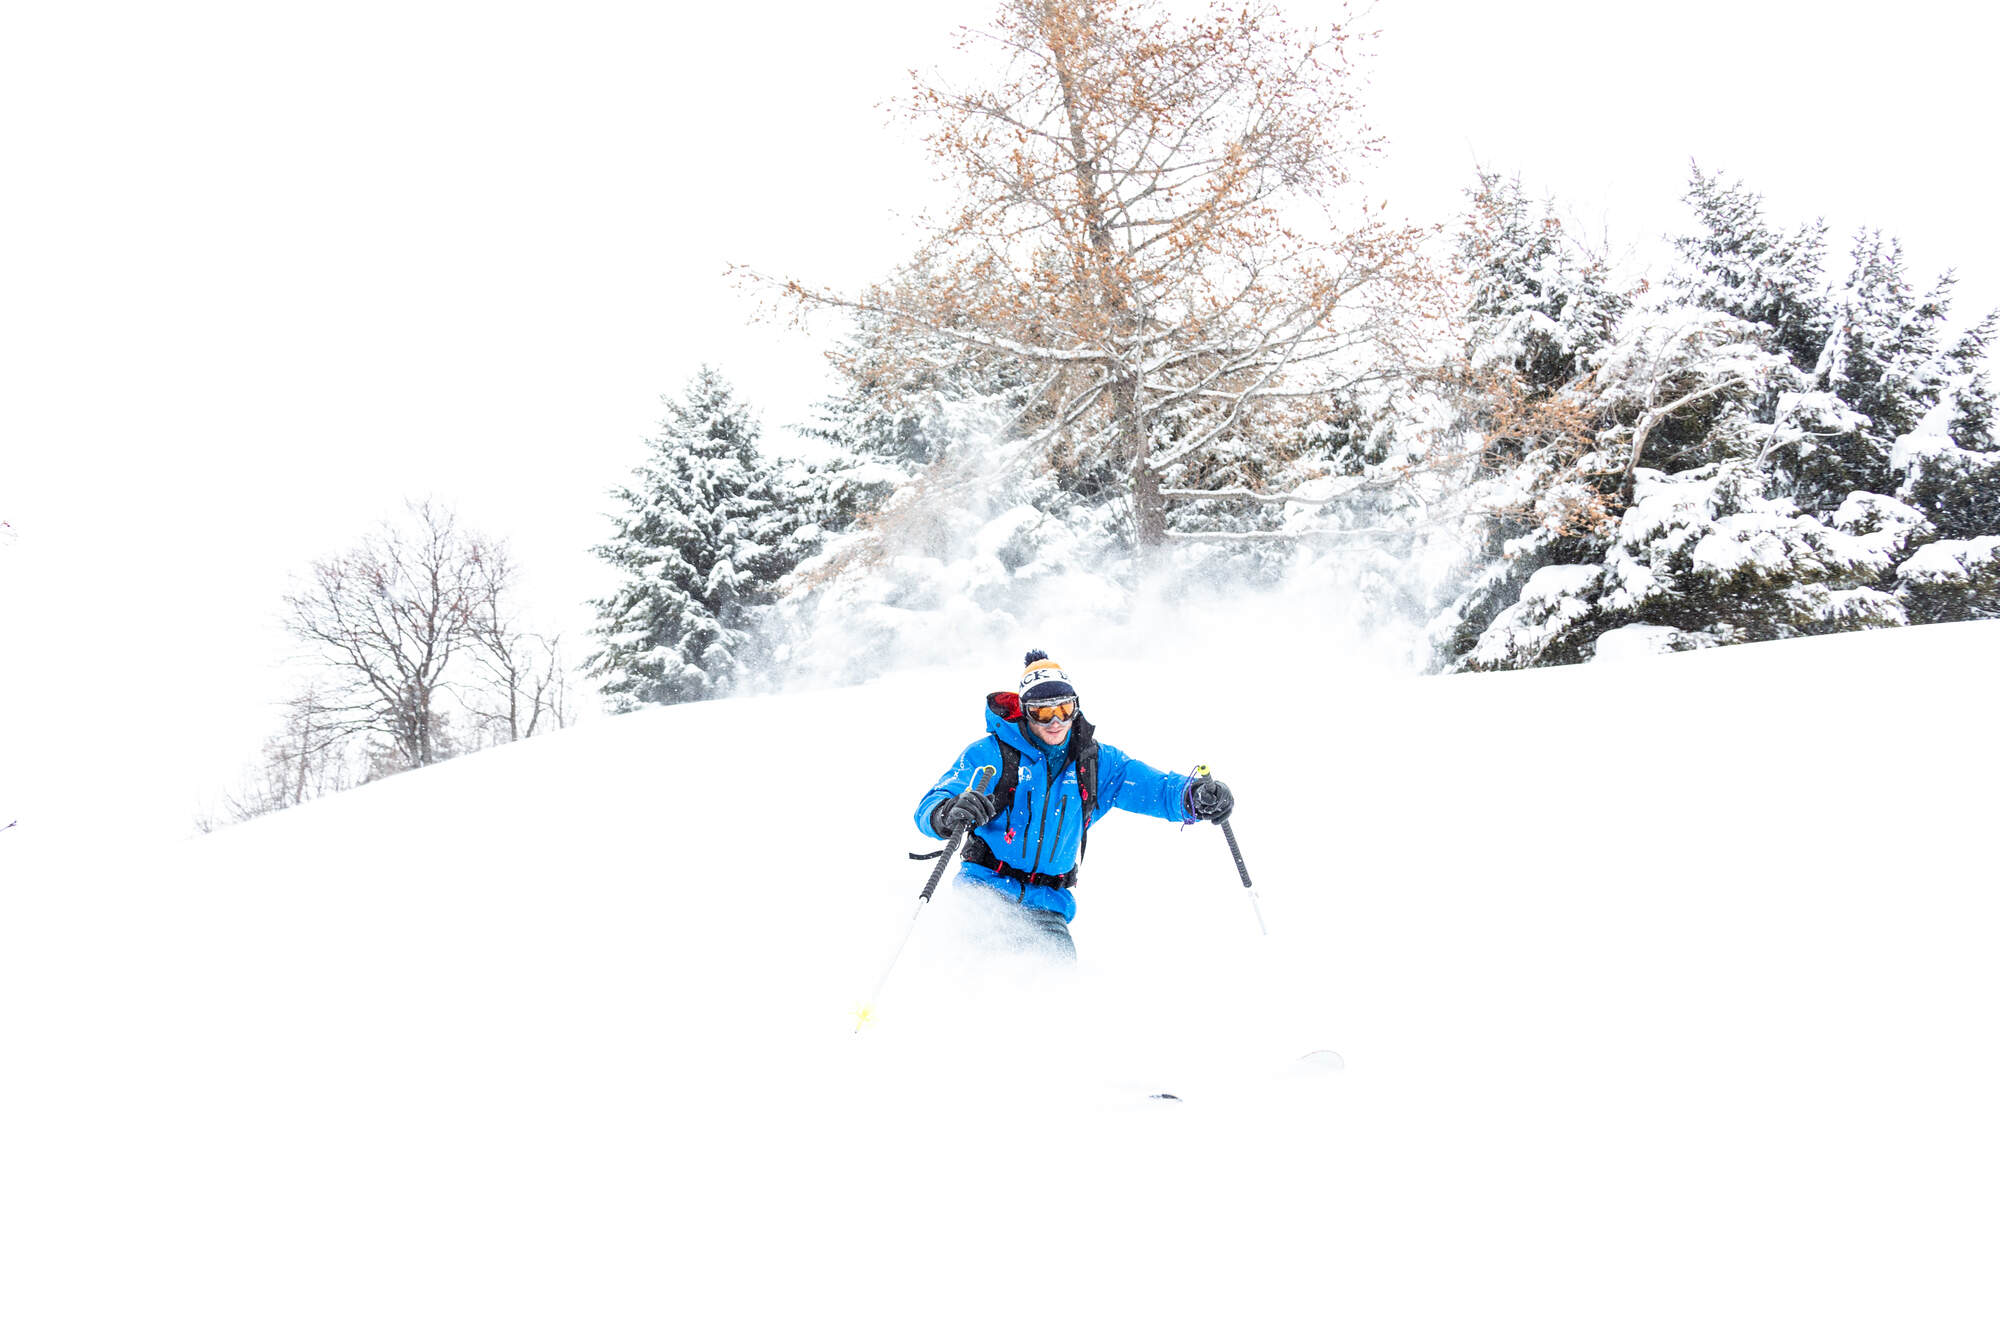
x: 1060, y: 710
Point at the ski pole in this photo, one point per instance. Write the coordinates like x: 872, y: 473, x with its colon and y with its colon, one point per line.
x: 867, y: 1011
x: 1201, y: 771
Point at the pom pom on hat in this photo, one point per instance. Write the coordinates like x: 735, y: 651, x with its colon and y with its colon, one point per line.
x: 1045, y: 679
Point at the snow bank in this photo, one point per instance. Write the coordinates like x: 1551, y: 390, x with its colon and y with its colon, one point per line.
x: 1650, y: 1019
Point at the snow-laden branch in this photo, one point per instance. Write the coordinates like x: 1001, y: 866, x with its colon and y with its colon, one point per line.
x: 1287, y: 536
x: 1242, y: 493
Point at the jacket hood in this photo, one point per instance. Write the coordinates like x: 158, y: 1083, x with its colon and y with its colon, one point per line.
x: 1007, y: 722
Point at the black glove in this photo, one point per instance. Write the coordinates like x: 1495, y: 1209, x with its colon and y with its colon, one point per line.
x: 963, y: 812
x: 1210, y: 800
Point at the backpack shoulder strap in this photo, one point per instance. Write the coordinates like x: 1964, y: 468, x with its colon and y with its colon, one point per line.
x: 1009, y: 776
x: 1086, y: 779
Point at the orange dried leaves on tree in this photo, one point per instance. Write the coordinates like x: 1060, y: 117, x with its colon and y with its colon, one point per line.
x: 1149, y: 225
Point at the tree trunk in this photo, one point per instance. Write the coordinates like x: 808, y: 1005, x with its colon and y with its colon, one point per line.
x: 1149, y: 507
x: 1149, y: 516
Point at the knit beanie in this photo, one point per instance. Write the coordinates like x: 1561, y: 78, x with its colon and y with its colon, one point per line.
x: 1044, y: 680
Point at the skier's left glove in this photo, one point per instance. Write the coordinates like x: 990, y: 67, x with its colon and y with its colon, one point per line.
x: 1208, y: 799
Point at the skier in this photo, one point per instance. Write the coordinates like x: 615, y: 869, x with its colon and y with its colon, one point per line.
x: 1027, y: 834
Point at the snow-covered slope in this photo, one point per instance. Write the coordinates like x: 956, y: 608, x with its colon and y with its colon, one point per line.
x: 1663, y: 1006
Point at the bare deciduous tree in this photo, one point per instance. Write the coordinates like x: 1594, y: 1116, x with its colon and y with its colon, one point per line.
x: 414, y: 621
x: 387, y: 619
x: 308, y: 758
x: 1135, y: 235
x: 518, y: 684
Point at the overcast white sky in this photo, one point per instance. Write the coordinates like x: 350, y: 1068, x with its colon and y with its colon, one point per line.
x: 270, y: 269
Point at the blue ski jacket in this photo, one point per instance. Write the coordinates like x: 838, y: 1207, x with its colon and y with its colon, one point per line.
x: 1041, y: 832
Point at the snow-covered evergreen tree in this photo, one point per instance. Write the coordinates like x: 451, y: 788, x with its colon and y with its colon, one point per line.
x: 1786, y: 462
x: 1953, y: 477
x: 1952, y: 580
x: 1770, y: 286
x: 1705, y: 558
x: 1884, y: 363
x: 1957, y: 489
x: 1736, y: 263
x: 1539, y: 304
x: 707, y: 531
x: 1541, y: 317
x: 1971, y: 423
x: 908, y: 399
x: 900, y: 399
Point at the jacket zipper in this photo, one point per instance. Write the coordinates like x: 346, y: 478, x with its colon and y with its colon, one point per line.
x: 1062, y: 813
x: 1043, y: 834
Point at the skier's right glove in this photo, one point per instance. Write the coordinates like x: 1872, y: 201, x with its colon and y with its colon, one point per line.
x: 963, y: 812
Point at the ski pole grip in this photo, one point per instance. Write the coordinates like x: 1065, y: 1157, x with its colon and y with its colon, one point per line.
x: 985, y: 775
